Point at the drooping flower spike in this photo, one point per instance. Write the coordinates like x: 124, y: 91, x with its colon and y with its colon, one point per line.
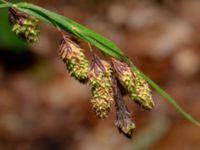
x: 100, y: 78
x: 124, y: 121
x: 24, y: 26
x: 74, y: 58
x: 136, y: 87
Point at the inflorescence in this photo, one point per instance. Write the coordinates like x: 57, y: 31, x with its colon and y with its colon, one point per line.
x: 24, y: 26
x: 109, y: 80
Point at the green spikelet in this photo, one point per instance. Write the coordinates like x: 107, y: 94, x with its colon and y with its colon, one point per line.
x: 136, y: 87
x: 101, y: 102
x: 125, y: 76
x: 101, y: 84
x: 143, y: 93
x: 73, y: 56
x: 24, y: 26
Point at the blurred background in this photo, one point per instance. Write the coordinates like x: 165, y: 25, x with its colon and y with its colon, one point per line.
x: 43, y: 108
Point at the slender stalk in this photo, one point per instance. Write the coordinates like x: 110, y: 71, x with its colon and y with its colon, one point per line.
x: 90, y: 47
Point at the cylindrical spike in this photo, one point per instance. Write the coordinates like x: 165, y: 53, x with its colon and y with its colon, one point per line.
x: 143, y: 94
x: 101, y: 87
x: 24, y: 26
x: 75, y: 59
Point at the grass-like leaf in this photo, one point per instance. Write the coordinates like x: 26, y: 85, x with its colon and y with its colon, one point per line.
x: 105, y: 45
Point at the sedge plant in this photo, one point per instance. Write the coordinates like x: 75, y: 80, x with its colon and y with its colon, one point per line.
x: 109, y: 79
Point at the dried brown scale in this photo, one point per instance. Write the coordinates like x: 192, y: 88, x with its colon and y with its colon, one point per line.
x: 76, y: 62
x: 64, y: 50
x: 16, y: 16
x: 97, y: 65
x: 124, y: 120
x: 100, y: 78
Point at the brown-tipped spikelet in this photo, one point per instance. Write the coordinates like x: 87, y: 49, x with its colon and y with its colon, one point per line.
x: 23, y: 25
x: 136, y: 87
x: 76, y: 62
x: 100, y: 78
x: 125, y: 76
x: 143, y: 93
x: 124, y: 121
